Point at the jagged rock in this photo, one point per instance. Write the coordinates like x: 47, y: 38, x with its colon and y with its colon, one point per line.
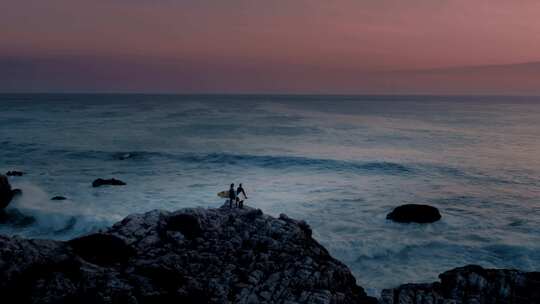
x: 112, y: 182
x: 414, y: 213
x: 189, y: 256
x: 468, y: 285
x: 6, y: 193
x: 58, y: 198
x: 15, y: 173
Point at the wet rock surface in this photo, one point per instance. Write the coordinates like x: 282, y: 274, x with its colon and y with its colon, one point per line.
x: 470, y: 285
x: 189, y: 256
x: 414, y: 213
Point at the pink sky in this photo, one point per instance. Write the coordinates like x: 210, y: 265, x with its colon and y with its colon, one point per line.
x: 278, y: 46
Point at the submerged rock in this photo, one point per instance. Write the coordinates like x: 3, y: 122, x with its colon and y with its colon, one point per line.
x: 112, y: 182
x: 414, y: 213
x: 123, y: 156
x: 6, y: 193
x: 58, y: 198
x: 15, y: 173
x: 470, y: 284
x: 188, y: 256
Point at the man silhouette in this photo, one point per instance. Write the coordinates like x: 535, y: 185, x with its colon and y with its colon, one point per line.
x: 232, y: 196
x: 240, y: 196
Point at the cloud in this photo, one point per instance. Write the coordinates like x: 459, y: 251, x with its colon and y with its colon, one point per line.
x: 75, y: 73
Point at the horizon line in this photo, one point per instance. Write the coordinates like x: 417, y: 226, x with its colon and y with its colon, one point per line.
x: 305, y: 94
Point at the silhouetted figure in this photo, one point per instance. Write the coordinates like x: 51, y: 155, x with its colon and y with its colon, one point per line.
x: 240, y: 196
x: 232, y: 196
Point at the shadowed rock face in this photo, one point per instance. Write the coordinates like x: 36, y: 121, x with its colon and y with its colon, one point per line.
x: 101, y: 249
x: 471, y: 284
x: 413, y: 213
x: 189, y: 256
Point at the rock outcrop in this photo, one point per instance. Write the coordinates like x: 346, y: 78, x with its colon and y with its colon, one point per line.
x: 6, y: 193
x: 15, y: 173
x: 58, y: 198
x: 189, y: 256
x: 111, y: 182
x: 413, y: 213
x: 470, y: 285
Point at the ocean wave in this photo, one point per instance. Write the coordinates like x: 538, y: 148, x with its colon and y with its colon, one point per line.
x: 397, y: 250
x: 285, y: 162
x: 246, y: 160
x: 474, y: 175
x: 34, y: 215
x: 225, y: 130
x: 282, y: 162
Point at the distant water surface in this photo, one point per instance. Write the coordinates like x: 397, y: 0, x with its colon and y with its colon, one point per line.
x: 339, y: 162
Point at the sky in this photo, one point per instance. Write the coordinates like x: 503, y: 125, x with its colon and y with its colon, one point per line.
x: 271, y: 46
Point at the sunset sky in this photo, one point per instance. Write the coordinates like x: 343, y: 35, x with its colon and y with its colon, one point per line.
x: 271, y: 46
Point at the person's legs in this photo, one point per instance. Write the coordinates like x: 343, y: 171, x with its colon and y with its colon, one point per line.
x: 241, y: 204
x: 230, y: 202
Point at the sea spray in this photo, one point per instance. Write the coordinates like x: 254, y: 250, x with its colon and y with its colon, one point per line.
x: 55, y: 219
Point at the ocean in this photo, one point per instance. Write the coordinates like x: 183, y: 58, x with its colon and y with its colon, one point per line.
x: 339, y: 162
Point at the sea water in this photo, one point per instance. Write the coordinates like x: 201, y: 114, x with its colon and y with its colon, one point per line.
x: 339, y: 162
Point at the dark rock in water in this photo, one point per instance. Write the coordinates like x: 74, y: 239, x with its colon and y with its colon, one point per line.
x: 112, y: 182
x: 414, y: 213
x: 470, y: 284
x: 15, y: 173
x: 123, y: 156
x: 190, y: 256
x: 6, y: 193
x: 58, y: 198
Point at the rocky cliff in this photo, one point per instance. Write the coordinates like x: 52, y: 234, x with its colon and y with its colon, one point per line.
x: 189, y: 256
x: 220, y: 256
x: 471, y: 285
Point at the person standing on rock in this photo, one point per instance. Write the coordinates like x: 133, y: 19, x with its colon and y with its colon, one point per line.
x: 232, y: 196
x: 240, y: 196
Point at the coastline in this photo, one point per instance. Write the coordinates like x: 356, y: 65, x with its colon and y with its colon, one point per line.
x: 220, y: 255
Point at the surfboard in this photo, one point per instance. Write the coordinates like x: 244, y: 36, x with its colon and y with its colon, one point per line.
x: 242, y: 197
x: 223, y: 194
